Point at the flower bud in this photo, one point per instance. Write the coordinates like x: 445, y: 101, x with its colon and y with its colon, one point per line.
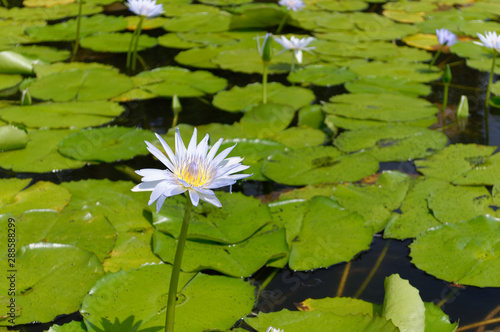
x: 447, y: 75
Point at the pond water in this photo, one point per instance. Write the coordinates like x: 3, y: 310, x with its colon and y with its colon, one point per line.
x: 286, y: 288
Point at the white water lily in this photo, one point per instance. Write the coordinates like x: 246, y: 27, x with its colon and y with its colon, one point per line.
x: 292, y: 4
x: 446, y: 37
x: 194, y: 169
x: 272, y: 329
x: 296, y: 45
x: 146, y: 8
x: 490, y: 40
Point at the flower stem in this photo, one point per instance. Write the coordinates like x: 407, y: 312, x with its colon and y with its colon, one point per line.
x: 264, y: 82
x: 438, y: 53
x: 5, y: 3
x: 282, y: 23
x: 176, y: 269
x: 136, y: 44
x: 373, y: 270
x: 292, y: 65
x: 78, y: 24
x: 492, y: 72
x: 445, y: 103
x: 343, y: 281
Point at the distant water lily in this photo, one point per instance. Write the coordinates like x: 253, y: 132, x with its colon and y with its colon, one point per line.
x: 296, y: 45
x: 446, y: 37
x: 272, y: 329
x: 195, y: 170
x: 292, y: 4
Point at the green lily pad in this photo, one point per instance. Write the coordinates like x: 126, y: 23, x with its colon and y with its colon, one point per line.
x: 237, y: 260
x: 137, y: 301
x: 199, y: 22
x: 471, y: 28
x: 258, y: 15
x: 240, y: 218
x: 130, y: 254
x: 486, y: 173
x: 40, y: 154
x: 465, y: 253
x: 297, y: 137
x: 289, y: 214
x: 239, y: 99
x: 173, y: 40
x: 316, y: 321
x: 392, y: 143
x: 50, y: 268
x: 9, y: 81
x: 381, y: 107
x: 341, y: 306
x: 322, y: 75
x: 182, y: 82
x: 73, y: 326
x: 42, y: 70
x: 12, y: 138
x: 415, y: 217
x: 386, y: 84
x: 375, y: 202
x: 454, y: 161
x: 62, y: 115
x: 436, y: 320
x: 342, y: 6
x: 377, y: 50
x: 116, y: 42
x: 334, y: 122
x: 106, y: 144
x: 40, y: 196
x: 12, y: 31
x: 82, y: 85
x: 390, y: 32
x: 328, y: 235
x: 225, y: 2
x: 43, y: 53
x: 48, y: 13
x: 176, y: 8
x: 417, y: 72
x: 318, y: 164
x: 199, y: 57
x: 403, y: 305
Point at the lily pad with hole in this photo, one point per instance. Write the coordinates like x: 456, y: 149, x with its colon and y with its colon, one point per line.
x: 62, y: 115
x: 241, y: 98
x: 317, y: 164
x: 50, y: 268
x: 465, y: 253
x: 12, y: 138
x: 81, y: 85
x: 182, y: 82
x: 40, y: 154
x: 237, y: 260
x: 116, y: 42
x: 322, y: 75
x: 392, y: 143
x: 67, y: 30
x: 106, y: 144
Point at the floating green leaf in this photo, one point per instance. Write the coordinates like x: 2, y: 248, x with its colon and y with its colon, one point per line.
x: 116, y: 42
x: 81, y: 85
x: 297, y: 137
x: 48, y: 13
x: 328, y: 235
x: 62, y: 115
x: 342, y: 6
x: 417, y: 72
x: 199, y: 22
x: 322, y: 75
x: 392, y: 143
x: 130, y: 254
x: 318, y: 164
x: 12, y: 138
x: 51, y: 269
x: 9, y: 81
x: 239, y: 99
x: 486, y: 173
x: 341, y: 306
x: 106, y: 144
x: 387, y: 84
x: 73, y: 326
x: 43, y: 53
x: 464, y: 253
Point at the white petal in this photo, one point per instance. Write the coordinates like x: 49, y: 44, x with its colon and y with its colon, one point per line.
x: 192, y: 143
x: 153, y: 174
x: 202, y: 147
x: 298, y: 55
x: 146, y: 186
x: 160, y: 187
x: 160, y: 156
x: 180, y: 149
x: 212, y: 199
x: 222, y: 155
x: 195, y: 198
x: 159, y: 203
x: 167, y: 149
x: 213, y: 150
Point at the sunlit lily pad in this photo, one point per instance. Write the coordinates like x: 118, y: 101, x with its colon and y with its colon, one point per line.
x: 392, y: 143
x: 387, y: 84
x: 173, y: 40
x: 454, y: 161
x: 237, y: 260
x: 74, y: 326
x: 182, y: 82
x: 50, y: 13
x: 137, y: 300
x: 12, y: 138
x: 464, y: 253
x: 42, y: 70
x: 45, y: 3
x: 9, y: 81
x: 487, y: 173
x: 318, y: 164
x: 199, y: 57
x: 106, y: 144
x: 40, y: 154
x: 116, y: 42
x: 238, y: 99
x: 389, y: 32
x: 62, y: 115
x: 297, y: 137
x: 322, y: 75
x: 82, y: 85
x: 258, y: 15
x: 176, y: 8
x: 67, y: 30
x: 199, y: 22
x: 130, y: 254
x: 417, y: 72
x: 51, y: 268
x: 403, y: 16
x: 328, y: 235
x: 43, y: 53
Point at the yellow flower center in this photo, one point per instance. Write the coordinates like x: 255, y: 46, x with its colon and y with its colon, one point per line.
x: 194, y: 175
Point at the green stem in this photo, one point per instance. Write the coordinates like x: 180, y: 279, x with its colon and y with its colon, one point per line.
x: 343, y: 280
x: 445, y: 103
x: 282, y: 23
x: 264, y: 82
x: 269, y: 278
x: 131, y: 47
x: 5, y: 3
x: 373, y: 270
x: 175, y: 120
x: 292, y: 65
x: 134, y: 55
x: 78, y: 24
x: 176, y: 269
x: 435, y: 58
x: 487, y: 101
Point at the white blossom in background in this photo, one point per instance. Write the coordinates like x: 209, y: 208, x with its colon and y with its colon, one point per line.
x: 272, y: 329
x: 194, y: 169
x: 296, y: 45
x: 292, y: 4
x: 146, y: 8
x: 490, y: 40
x: 446, y: 37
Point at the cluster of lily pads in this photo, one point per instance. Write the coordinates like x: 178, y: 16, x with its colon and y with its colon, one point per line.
x: 58, y: 116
